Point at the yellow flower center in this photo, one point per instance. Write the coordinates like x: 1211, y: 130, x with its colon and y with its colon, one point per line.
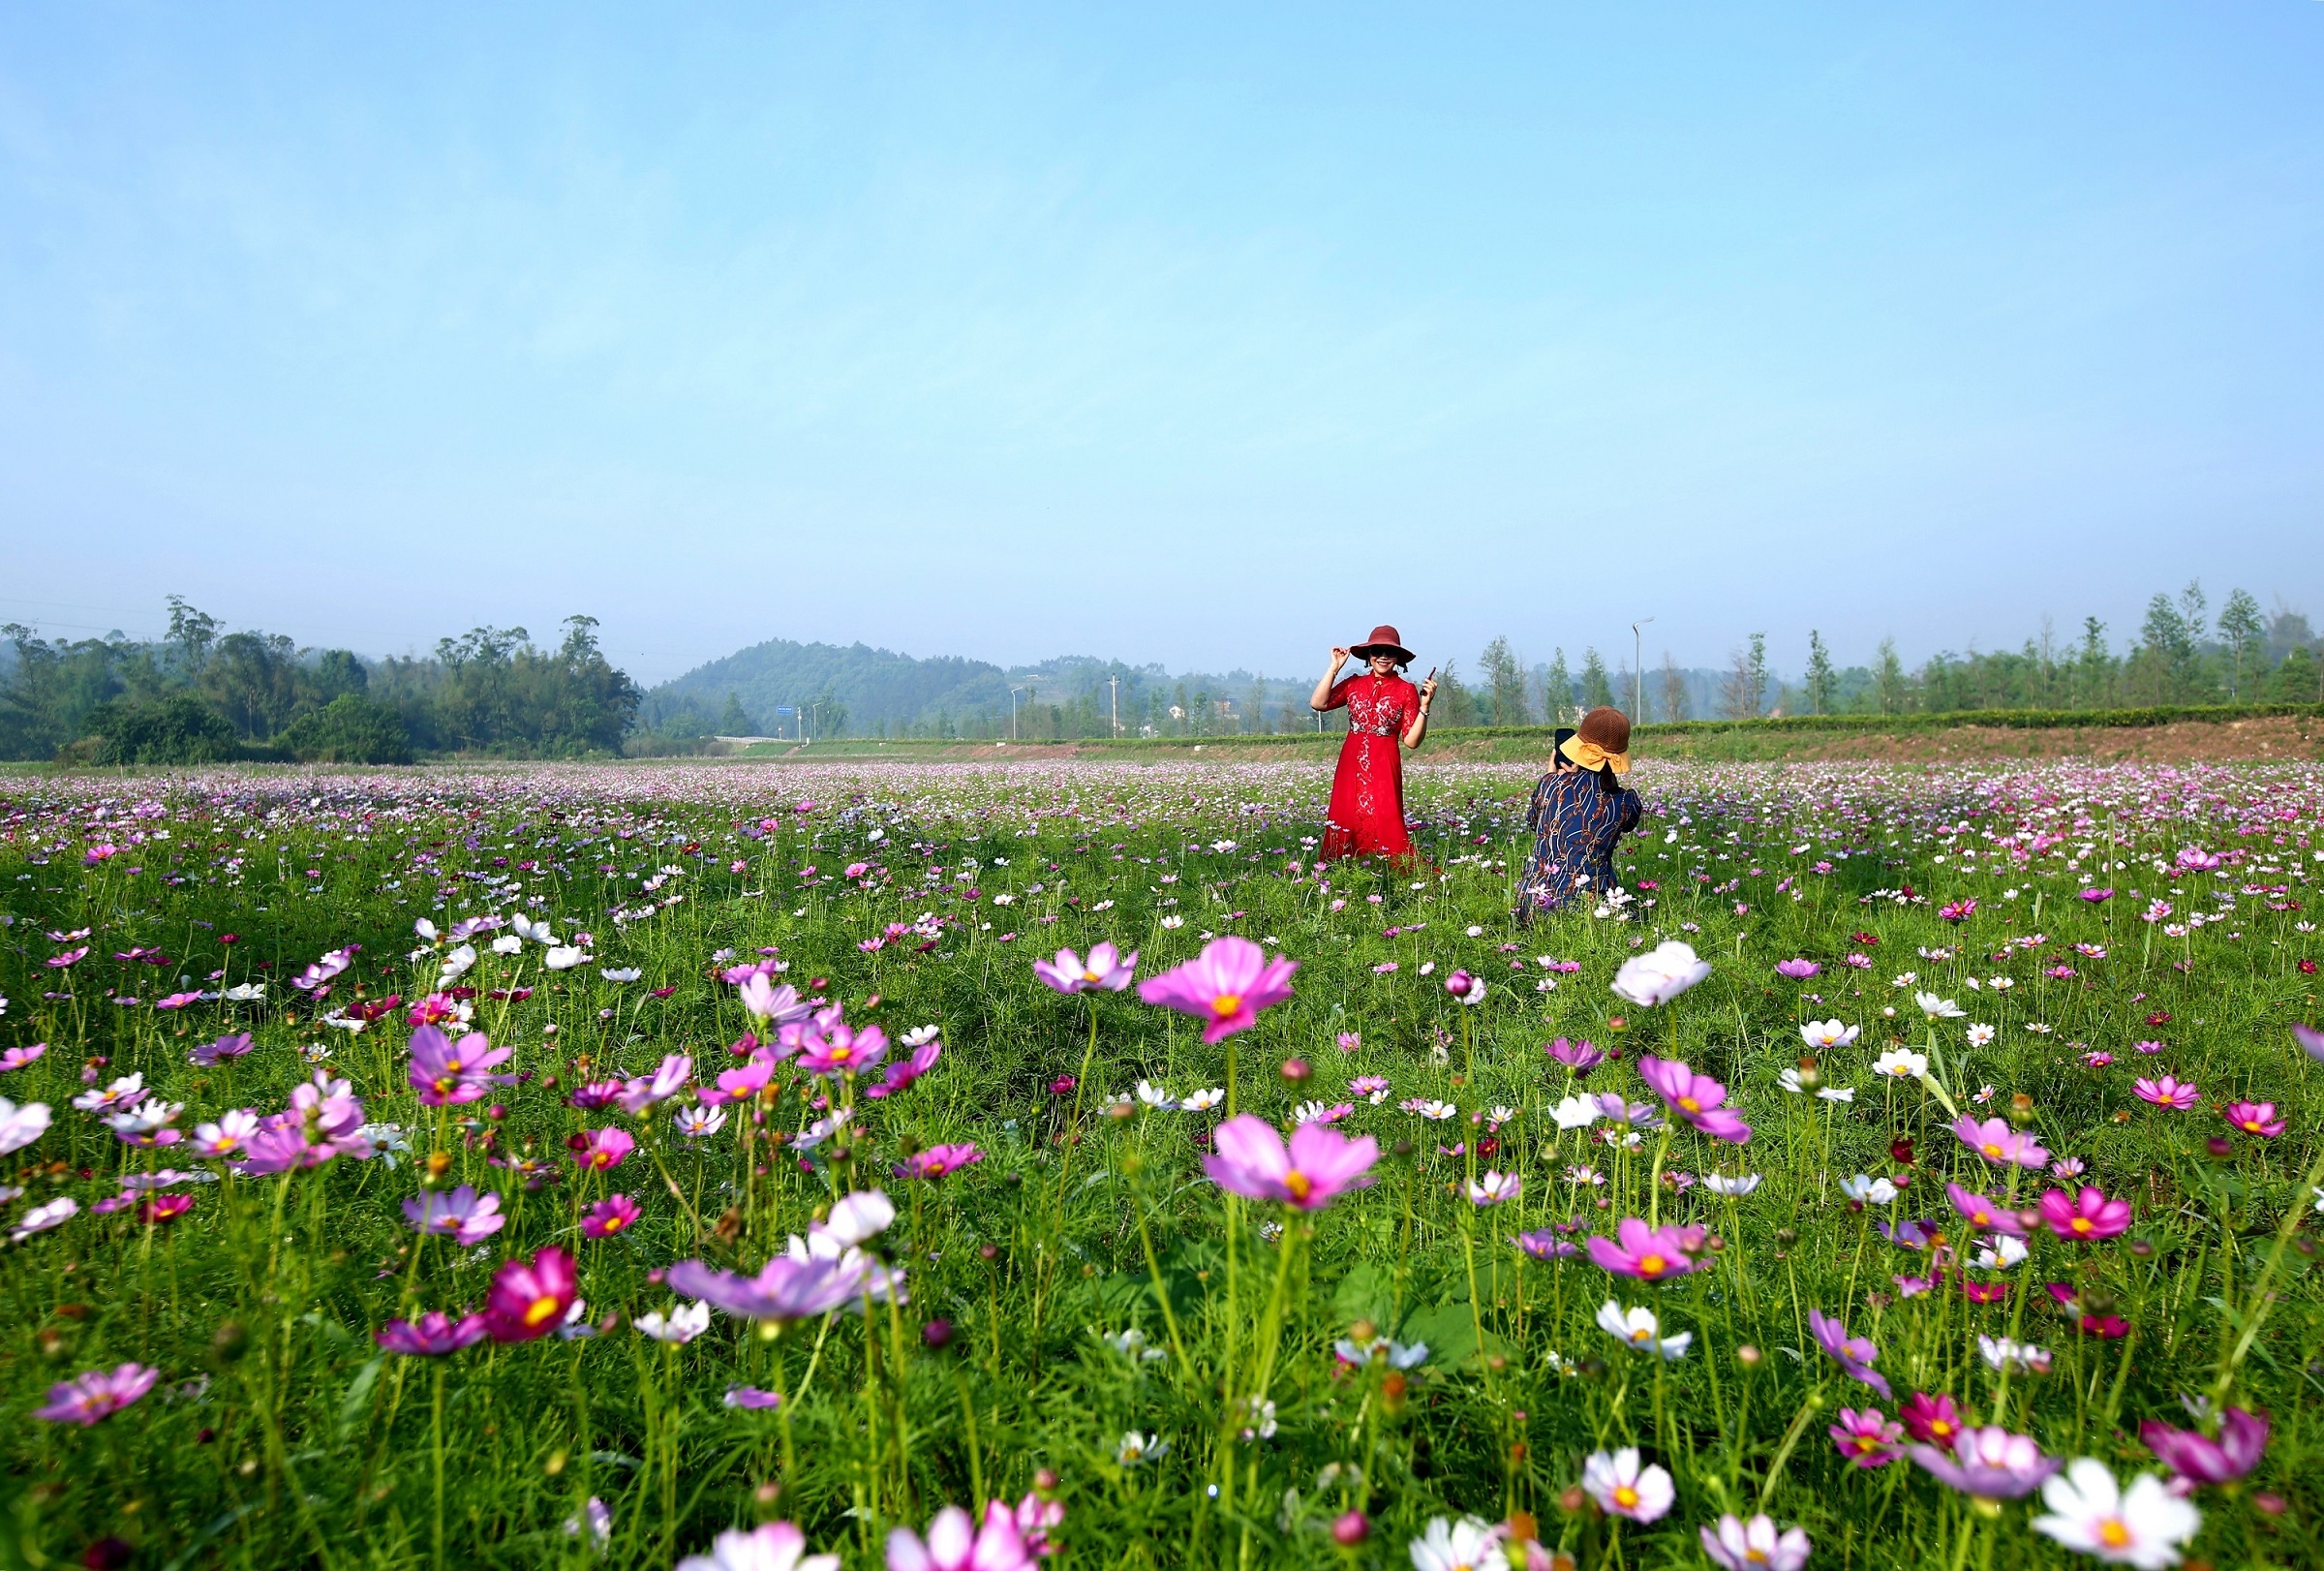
x: 1992, y: 1151
x: 839, y: 1055
x: 2081, y: 1224
x: 541, y: 1310
x: 1299, y: 1183
x: 1626, y: 1497
x: 1226, y: 1003
x: 1690, y: 1104
x: 1940, y: 1429
x: 2113, y: 1534
x: 1652, y: 1265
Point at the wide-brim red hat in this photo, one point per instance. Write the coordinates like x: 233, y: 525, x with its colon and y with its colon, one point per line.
x: 1383, y: 641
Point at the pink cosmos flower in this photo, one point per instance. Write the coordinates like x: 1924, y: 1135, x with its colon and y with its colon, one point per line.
x: 1854, y: 1354
x: 596, y: 1094
x: 955, y: 1543
x: 224, y: 1049
x: 2089, y: 1215
x: 447, y: 1072
x: 604, y: 1148
x: 1869, y: 1438
x: 1320, y: 1163
x: 231, y: 1134
x: 1933, y: 1418
x: 751, y: 1398
x: 1750, y: 1546
x: 1225, y: 986
x: 468, y: 1220
x: 2200, y: 1460
x: 2166, y: 1093
x: 178, y: 1001
x: 2311, y: 1040
x: 16, y: 1057
x: 1648, y: 1253
x: 1798, y: 970
x: 664, y: 1083
x: 1694, y: 1098
x: 1984, y: 1215
x: 529, y: 1300
x: 610, y: 1215
x: 938, y: 1160
x: 904, y: 1072
x: 827, y: 1045
x: 70, y: 957
x: 2108, y: 1326
x: 780, y: 1004
x: 1991, y: 1464
x: 1579, y: 1056
x: 1998, y: 1143
x: 163, y: 1208
x: 2254, y: 1117
x: 1546, y: 1245
x: 85, y: 1399
x: 432, y: 1335
x: 1105, y: 969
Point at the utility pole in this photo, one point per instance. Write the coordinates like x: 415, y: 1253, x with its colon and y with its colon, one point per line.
x: 1115, y: 682
x: 1638, y: 671
x: 1013, y: 692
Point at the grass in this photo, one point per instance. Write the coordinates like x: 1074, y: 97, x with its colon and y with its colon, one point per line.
x: 281, y: 1434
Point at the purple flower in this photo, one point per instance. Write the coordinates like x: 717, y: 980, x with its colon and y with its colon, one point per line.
x: 663, y: 1084
x: 1855, y: 1354
x: 444, y: 1071
x: 610, y: 1215
x: 1546, y: 1245
x: 458, y: 1211
x: 786, y: 1289
x: 16, y: 1057
x: 603, y: 1149
x: 1694, y: 1098
x: 752, y: 1398
x: 98, y: 1394
x: 212, y: 1054
x: 2200, y: 1460
x: 432, y: 1335
x: 1991, y: 1464
x: 2311, y: 1040
x: 1318, y: 1163
x: 1868, y: 1439
x: 1799, y: 970
x: 827, y: 1045
x: 1579, y: 1056
x: 938, y: 1160
x: 904, y: 1072
x: 2098, y: 897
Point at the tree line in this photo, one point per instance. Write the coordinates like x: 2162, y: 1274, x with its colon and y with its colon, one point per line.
x: 201, y: 694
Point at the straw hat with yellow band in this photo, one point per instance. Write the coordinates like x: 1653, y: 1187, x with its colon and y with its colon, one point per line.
x: 1601, y: 743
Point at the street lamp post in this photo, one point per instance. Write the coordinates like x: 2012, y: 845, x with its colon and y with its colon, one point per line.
x: 1638, y: 669
x: 1013, y: 692
x: 1115, y: 682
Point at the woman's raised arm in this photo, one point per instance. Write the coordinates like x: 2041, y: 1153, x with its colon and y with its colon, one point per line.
x: 1321, y: 698
x: 1418, y: 731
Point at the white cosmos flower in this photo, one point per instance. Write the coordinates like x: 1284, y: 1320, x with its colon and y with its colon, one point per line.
x: 425, y: 929
x: 2143, y: 1525
x: 620, y: 973
x: 1936, y: 1008
x: 2001, y: 1253
x: 245, y: 993
x: 507, y: 944
x: 1639, y: 1330
x: 565, y: 957
x: 1174, y: 921
x: 1135, y: 1448
x: 1980, y: 1035
x: 1902, y: 1064
x: 1661, y: 974
x: 1825, y: 1035
x: 457, y: 963
x: 1735, y: 1187
x: 681, y: 1325
x: 1575, y: 1112
x: 1201, y: 1101
x: 40, y: 1218
x: 20, y: 1127
x: 1869, y: 1191
x: 1154, y: 1096
x: 2003, y: 1353
x: 1838, y: 1094
x: 1466, y: 1545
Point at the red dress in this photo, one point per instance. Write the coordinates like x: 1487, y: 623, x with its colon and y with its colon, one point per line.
x: 1367, y: 789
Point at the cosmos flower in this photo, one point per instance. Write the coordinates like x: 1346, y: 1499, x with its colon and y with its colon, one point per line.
x: 1647, y: 1253
x: 1623, y: 1488
x: 1994, y: 1140
x: 2199, y: 1459
x: 1825, y: 1035
x: 1319, y: 1164
x: 1755, y: 1544
x: 432, y: 1335
x: 2090, y: 1513
x: 784, y: 1290
x: 89, y: 1397
x: 1467, y: 1544
x: 2254, y: 1117
x: 1660, y: 974
x: 1694, y: 1098
x: 529, y: 1298
x: 1869, y: 1438
x: 1991, y: 1464
x: 448, y: 1072
x: 610, y: 1215
x: 1982, y: 1213
x: 771, y: 1546
x: 1639, y: 1330
x: 682, y: 1324
x: 1854, y: 1354
x: 1579, y: 1056
x: 1105, y: 969
x: 2166, y: 1091
x: 956, y: 1543
x: 20, y: 1127
x: 938, y: 1160
x: 1225, y: 986
x: 468, y: 1220
x: 2089, y: 1215
x: 603, y: 1149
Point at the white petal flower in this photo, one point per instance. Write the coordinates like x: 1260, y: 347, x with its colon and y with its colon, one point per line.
x: 2144, y: 1526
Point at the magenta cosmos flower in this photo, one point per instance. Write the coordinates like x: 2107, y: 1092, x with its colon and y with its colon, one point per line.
x: 1694, y: 1098
x: 827, y: 1045
x: 444, y: 1071
x: 2165, y: 1092
x: 1798, y: 970
x: 1998, y: 1143
x: 1105, y: 967
x: 1225, y: 986
x: 938, y: 1160
x: 1984, y: 1215
x: 1579, y: 1056
x: 1991, y: 1464
x: 786, y: 1289
x: 99, y: 1393
x: 1321, y: 1162
x: 2090, y: 1216
x: 904, y: 1072
x: 2200, y: 1460
x: 610, y: 1215
x: 602, y: 1149
x: 2254, y: 1117
x: 1855, y: 1354
x: 432, y: 1335
x: 1648, y: 1253
x: 1932, y: 1419
x: 470, y: 1219
x: 1867, y: 1440
x: 529, y: 1298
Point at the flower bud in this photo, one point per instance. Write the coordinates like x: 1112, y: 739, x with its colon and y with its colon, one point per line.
x: 1811, y: 1074
x: 1362, y: 1331
x: 1748, y: 1356
x: 1295, y: 1071
x: 1045, y: 1480
x: 2021, y: 1110
x: 938, y: 1334
x: 1349, y: 1530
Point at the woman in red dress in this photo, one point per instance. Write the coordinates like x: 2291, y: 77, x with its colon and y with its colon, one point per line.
x: 1367, y: 789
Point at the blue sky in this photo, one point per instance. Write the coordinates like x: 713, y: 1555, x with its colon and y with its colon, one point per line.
x: 1202, y: 335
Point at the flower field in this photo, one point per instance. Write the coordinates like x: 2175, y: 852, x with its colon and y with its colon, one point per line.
x: 949, y: 1165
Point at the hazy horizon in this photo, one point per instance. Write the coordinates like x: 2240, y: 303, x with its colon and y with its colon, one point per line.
x: 1196, y: 337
